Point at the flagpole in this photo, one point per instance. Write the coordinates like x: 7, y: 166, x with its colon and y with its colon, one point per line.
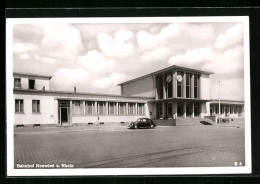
x: 219, y: 99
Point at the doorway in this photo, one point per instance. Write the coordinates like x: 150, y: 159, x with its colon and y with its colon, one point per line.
x: 179, y: 110
x: 64, y: 113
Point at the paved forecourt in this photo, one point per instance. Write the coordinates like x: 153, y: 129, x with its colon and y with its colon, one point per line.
x: 109, y: 147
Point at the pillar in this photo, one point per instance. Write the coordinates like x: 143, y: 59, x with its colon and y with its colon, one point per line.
x: 192, y: 109
x: 184, y: 110
x: 95, y: 108
x: 192, y: 85
x: 155, y: 87
x: 164, y: 87
x: 116, y: 112
x: 184, y: 85
x: 84, y: 107
x: 107, y: 108
x: 155, y: 111
x: 174, y: 83
x: 174, y: 109
x: 126, y: 109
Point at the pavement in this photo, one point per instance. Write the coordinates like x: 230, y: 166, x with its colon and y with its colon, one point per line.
x: 120, y: 147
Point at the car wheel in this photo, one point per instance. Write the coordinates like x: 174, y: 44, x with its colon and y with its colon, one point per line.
x: 151, y: 126
x: 136, y: 127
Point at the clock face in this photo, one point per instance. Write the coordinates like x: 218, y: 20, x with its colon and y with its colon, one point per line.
x: 179, y: 78
x: 169, y: 78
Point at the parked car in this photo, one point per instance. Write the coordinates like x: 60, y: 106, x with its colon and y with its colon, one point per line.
x: 142, y: 123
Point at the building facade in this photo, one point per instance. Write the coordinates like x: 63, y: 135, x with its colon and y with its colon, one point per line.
x: 172, y: 93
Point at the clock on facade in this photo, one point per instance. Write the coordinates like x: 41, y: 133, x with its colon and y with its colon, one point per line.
x: 169, y: 78
x: 179, y: 78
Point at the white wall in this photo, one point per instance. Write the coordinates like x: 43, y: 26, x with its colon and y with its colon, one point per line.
x: 39, y: 83
x: 47, y: 113
x: 204, y: 86
x: 141, y: 87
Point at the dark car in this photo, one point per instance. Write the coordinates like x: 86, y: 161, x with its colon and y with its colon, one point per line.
x: 142, y: 123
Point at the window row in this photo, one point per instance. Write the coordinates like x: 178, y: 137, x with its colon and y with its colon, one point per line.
x: 106, y: 108
x: 187, y: 85
x: 231, y: 109
x: 19, y: 106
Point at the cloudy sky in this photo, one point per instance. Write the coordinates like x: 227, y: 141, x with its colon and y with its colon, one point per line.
x: 96, y: 57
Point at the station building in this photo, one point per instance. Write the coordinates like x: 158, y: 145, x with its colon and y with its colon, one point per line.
x: 171, y: 93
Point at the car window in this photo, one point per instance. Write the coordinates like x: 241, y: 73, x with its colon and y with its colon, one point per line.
x: 144, y: 120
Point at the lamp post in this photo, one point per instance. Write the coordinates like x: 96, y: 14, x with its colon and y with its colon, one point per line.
x: 219, y: 99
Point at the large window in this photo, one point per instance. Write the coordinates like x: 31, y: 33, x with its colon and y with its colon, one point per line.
x: 235, y: 109
x: 111, y: 108
x: 89, y: 107
x: 101, y: 108
x: 196, y: 109
x: 168, y: 79
x: 18, y: 106
x: 77, y: 107
x: 17, y: 83
x: 179, y: 84
x: 159, y: 86
x: 140, y: 109
x: 122, y: 107
x: 188, y: 85
x: 131, y: 108
x: 196, y: 86
x: 36, y: 106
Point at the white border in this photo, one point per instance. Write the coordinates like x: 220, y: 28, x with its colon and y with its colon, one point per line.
x: 124, y: 171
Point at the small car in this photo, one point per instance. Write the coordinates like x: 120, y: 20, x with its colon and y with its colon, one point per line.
x: 142, y: 123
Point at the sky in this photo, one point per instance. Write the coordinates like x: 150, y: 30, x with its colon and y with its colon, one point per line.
x: 95, y: 57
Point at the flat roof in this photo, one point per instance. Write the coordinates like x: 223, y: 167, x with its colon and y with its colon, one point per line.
x: 31, y: 75
x: 164, y: 70
x: 71, y: 94
x: 222, y: 101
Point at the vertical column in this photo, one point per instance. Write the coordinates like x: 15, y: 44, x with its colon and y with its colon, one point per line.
x: 116, y: 112
x: 174, y: 84
x: 126, y: 108
x: 107, y: 108
x: 184, y: 109
x: 192, y: 86
x: 136, y: 110
x: 70, y: 113
x: 95, y: 108
x: 84, y: 107
x: 164, y: 87
x: 184, y: 85
x: 192, y: 109
x: 228, y: 110
x: 56, y: 112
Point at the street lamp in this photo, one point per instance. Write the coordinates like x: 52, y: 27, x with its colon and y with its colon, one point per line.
x: 219, y: 99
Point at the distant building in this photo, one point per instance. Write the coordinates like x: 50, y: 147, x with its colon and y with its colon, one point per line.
x: 172, y: 93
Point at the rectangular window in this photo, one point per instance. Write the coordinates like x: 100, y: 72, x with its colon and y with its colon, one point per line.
x: 111, y: 108
x: 31, y: 84
x: 196, y: 109
x: 130, y: 108
x: 36, y: 106
x: 77, y: 107
x: 17, y: 83
x: 89, y: 106
x: 101, y: 108
x: 122, y: 106
x: 179, y: 84
x: 140, y: 109
x: 168, y: 79
x: 188, y: 85
x: 18, y: 106
x: 217, y: 109
x: 159, y: 86
x: 196, y: 86
x: 235, y: 109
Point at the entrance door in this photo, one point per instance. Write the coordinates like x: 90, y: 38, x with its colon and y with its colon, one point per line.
x: 188, y: 110
x: 169, y: 111
x: 160, y: 111
x: 179, y: 110
x: 64, y: 115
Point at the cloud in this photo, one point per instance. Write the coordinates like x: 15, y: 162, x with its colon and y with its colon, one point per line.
x: 25, y: 56
x: 61, y: 41
x: 157, y: 54
x: 107, y: 82
x: 21, y: 47
x: 193, y: 57
x: 120, y: 47
x: 95, y: 61
x: 147, y: 40
x: 231, y: 37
